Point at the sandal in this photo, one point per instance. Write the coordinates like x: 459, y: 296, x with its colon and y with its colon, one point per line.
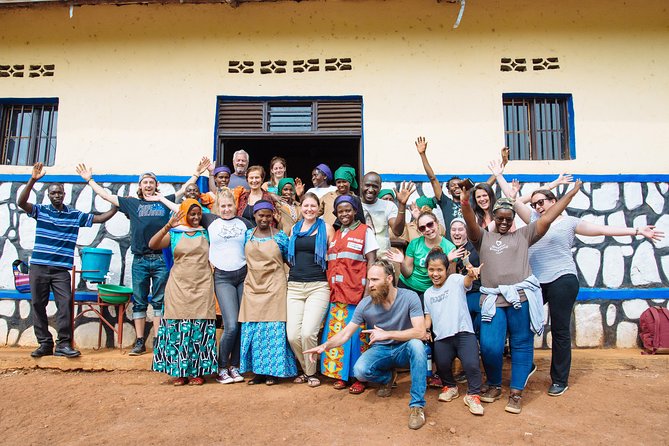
x: 197, y: 381
x: 313, y: 381
x: 357, y: 388
x: 258, y: 379
x: 270, y: 381
x: 339, y: 384
x: 301, y: 379
x: 180, y: 381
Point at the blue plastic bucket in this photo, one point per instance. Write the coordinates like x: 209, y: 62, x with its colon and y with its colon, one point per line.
x: 96, y: 261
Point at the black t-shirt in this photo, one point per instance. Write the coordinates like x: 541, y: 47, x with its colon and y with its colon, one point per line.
x: 146, y: 218
x: 475, y: 261
x: 450, y: 210
x: 305, y: 268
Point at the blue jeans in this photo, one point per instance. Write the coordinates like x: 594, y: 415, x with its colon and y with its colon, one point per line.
x: 493, y: 336
x: 149, y: 273
x: 229, y: 286
x: 377, y: 363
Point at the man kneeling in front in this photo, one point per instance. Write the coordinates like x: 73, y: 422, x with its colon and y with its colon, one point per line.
x: 395, y: 340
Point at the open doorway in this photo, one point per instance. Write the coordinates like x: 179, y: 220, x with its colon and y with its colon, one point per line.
x: 301, y: 154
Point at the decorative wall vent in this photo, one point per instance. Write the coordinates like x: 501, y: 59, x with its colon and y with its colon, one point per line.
x: 520, y: 64
x: 33, y: 70
x: 298, y: 66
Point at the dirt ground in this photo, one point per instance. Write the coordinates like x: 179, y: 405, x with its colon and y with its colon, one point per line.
x: 609, y: 402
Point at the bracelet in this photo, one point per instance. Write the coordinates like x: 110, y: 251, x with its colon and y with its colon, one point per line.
x: 637, y: 231
x: 402, y: 212
x: 89, y: 180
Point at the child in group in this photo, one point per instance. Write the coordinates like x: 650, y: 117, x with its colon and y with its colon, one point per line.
x: 447, y: 313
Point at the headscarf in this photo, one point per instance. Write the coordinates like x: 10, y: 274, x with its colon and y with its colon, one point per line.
x: 222, y: 169
x: 504, y: 203
x: 207, y: 200
x: 185, y: 207
x: 345, y: 199
x: 425, y: 201
x: 283, y: 182
x: 262, y: 204
x: 347, y: 174
x: 321, y: 245
x: 384, y: 192
x: 326, y: 170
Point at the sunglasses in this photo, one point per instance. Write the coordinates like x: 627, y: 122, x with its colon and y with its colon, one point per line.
x: 538, y: 203
x: 429, y: 225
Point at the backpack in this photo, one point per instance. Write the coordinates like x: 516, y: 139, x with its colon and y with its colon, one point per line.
x: 21, y: 278
x: 654, y: 330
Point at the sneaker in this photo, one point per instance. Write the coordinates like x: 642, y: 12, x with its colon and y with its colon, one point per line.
x: 532, y: 370
x: 514, y: 404
x: 474, y: 404
x: 416, y: 417
x: 235, y: 375
x: 460, y: 378
x: 224, y: 377
x: 557, y: 389
x: 139, y: 348
x: 385, y: 390
x: 492, y: 394
x: 448, y: 393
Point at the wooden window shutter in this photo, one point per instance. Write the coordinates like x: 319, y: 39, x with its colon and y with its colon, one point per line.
x: 339, y: 116
x: 241, y: 117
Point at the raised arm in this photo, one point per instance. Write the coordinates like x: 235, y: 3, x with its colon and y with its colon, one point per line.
x: 199, y: 170
x: 87, y: 174
x: 421, y: 147
x: 505, y: 161
x: 406, y: 262
x: 548, y: 217
x: 22, y: 201
x: 397, y: 224
x: 593, y: 229
x: 161, y: 198
x: 474, y: 231
x: 101, y: 218
x: 161, y: 239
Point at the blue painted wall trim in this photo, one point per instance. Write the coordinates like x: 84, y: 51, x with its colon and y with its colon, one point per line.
x: 585, y: 294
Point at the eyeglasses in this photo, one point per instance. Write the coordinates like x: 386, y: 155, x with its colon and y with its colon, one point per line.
x: 429, y: 225
x: 538, y: 203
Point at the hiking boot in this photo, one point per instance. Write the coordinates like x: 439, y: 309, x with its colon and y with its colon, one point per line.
x: 492, y: 394
x: 514, y: 404
x: 235, y: 375
x: 416, y: 417
x: 532, y: 370
x: 448, y: 393
x: 385, y: 390
x: 474, y: 404
x: 224, y: 377
x: 139, y: 348
x: 42, y: 350
x: 557, y: 389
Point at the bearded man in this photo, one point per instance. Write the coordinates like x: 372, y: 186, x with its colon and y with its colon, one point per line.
x: 398, y: 325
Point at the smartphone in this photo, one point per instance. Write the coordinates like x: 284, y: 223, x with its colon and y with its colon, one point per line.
x: 466, y: 184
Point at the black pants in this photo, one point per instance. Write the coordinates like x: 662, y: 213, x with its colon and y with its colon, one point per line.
x: 560, y: 296
x: 44, y: 279
x: 464, y: 346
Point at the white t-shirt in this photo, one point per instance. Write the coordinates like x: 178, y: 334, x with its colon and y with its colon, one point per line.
x: 370, y: 240
x: 320, y: 191
x: 447, y: 306
x: 226, y: 242
x: 376, y: 217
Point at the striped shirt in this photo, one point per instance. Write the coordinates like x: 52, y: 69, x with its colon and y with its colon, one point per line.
x: 56, y: 234
x: 551, y: 257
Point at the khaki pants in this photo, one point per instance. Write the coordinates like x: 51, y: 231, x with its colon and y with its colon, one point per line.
x: 307, y: 304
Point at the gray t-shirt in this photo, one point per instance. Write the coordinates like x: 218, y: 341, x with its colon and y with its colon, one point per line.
x: 550, y: 257
x: 238, y: 180
x: 447, y: 306
x: 397, y: 317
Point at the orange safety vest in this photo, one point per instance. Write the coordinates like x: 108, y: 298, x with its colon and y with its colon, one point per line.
x: 347, y: 266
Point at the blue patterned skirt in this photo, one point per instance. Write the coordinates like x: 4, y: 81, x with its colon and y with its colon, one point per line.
x: 338, y: 362
x: 265, y: 350
x: 186, y: 348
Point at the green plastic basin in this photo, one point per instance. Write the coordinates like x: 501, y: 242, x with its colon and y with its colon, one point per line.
x: 114, y: 294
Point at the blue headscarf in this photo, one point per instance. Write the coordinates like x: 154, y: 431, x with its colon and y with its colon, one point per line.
x: 321, y: 242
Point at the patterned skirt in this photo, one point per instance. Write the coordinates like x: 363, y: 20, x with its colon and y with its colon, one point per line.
x: 338, y: 362
x: 265, y: 350
x: 186, y: 348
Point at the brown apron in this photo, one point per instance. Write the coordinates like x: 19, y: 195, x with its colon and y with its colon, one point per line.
x: 265, y: 285
x: 189, y: 293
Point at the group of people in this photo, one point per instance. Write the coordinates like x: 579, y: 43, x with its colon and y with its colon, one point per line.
x: 286, y: 264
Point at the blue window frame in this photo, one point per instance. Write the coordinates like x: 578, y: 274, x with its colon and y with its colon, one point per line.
x: 539, y: 126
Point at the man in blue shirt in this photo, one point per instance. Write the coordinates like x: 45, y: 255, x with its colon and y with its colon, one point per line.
x: 53, y: 255
x: 396, y: 325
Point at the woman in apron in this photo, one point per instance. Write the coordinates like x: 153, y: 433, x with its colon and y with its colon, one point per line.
x: 186, y: 340
x: 264, y: 346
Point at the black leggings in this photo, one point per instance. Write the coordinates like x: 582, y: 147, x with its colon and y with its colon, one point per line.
x: 464, y: 346
x: 560, y: 296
